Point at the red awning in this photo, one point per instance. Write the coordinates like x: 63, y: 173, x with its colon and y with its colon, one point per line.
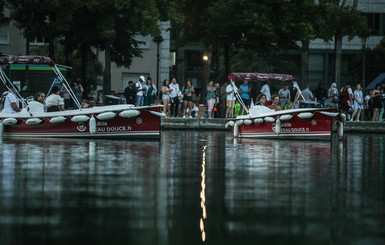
x: 261, y: 77
x: 31, y: 60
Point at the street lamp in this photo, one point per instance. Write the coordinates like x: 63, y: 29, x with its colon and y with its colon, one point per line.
x: 157, y: 39
x: 205, y: 58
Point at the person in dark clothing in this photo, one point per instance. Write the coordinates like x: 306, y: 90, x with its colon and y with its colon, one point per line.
x: 130, y: 93
x: 321, y: 93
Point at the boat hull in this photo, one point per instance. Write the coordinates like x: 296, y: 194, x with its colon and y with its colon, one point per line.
x: 144, y: 125
x: 318, y: 126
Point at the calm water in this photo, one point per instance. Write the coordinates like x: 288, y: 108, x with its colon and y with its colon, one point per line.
x: 193, y: 186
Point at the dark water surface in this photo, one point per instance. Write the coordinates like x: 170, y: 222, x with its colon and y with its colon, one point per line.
x: 193, y: 186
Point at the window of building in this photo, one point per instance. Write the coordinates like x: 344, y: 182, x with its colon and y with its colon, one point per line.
x: 4, y: 34
x: 373, y: 22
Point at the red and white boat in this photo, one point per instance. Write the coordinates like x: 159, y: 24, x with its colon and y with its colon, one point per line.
x: 113, y: 121
x: 262, y: 122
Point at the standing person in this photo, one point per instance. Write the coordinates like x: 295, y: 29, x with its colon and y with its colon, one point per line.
x: 218, y: 104
x: 78, y: 91
x: 149, y: 92
x: 333, y: 96
x: 223, y: 99
x: 11, y: 102
x: 284, y: 96
x: 188, y: 91
x: 139, y: 91
x: 346, y: 100
x: 358, y: 103
x: 244, y: 91
x: 307, y: 94
x: 54, y: 102
x: 230, y: 99
x: 266, y: 91
x: 130, y: 93
x: 166, y: 97
x: 320, y: 93
x: 377, y: 102
x: 174, y: 97
x: 210, y: 97
x: 368, y: 105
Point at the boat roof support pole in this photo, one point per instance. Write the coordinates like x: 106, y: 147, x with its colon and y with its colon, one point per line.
x: 238, y: 96
x: 66, y: 85
x: 6, y: 81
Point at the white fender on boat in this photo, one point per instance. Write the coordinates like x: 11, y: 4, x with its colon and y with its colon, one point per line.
x: 236, y: 127
x: 33, y: 121
x: 92, y: 124
x: 57, y: 120
x: 247, y: 121
x: 343, y: 117
x: 106, y: 115
x: 305, y: 115
x: 340, y: 130
x: 286, y: 117
x: 79, y: 119
x: 278, y: 126
x: 1, y: 129
x: 258, y: 120
x: 269, y: 119
x: 129, y: 113
x: 229, y: 124
x: 159, y: 114
x: 10, y: 121
x: 330, y: 114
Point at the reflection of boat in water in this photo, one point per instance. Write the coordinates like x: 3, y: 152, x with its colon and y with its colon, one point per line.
x: 262, y: 122
x: 113, y: 121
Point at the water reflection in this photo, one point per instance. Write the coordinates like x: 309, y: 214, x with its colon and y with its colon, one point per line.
x: 145, y: 192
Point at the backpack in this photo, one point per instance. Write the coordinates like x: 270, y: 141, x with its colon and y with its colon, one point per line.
x: 2, y: 100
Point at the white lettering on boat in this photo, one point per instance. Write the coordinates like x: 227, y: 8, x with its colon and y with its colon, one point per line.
x: 293, y: 130
x: 114, y: 129
x: 101, y: 124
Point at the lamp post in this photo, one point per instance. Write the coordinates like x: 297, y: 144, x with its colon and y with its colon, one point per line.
x: 363, y: 40
x: 157, y: 39
x: 206, y: 76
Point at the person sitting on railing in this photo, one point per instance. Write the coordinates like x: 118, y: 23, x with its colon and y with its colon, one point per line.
x: 54, y: 101
x: 275, y: 103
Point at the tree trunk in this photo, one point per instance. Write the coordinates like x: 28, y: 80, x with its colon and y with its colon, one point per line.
x: 304, y: 64
x: 107, y: 70
x: 261, y: 59
x: 83, y: 75
x: 227, y: 59
x: 27, y: 47
x: 337, y: 59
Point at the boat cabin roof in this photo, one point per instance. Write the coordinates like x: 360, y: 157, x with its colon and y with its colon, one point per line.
x: 261, y: 77
x: 31, y: 60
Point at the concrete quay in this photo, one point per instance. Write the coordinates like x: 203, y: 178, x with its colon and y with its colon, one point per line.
x: 219, y: 124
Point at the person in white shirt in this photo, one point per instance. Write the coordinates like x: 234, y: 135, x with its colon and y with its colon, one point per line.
x: 230, y: 100
x: 139, y: 91
x: 175, y: 91
x: 54, y: 102
x: 10, y: 104
x: 266, y: 91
